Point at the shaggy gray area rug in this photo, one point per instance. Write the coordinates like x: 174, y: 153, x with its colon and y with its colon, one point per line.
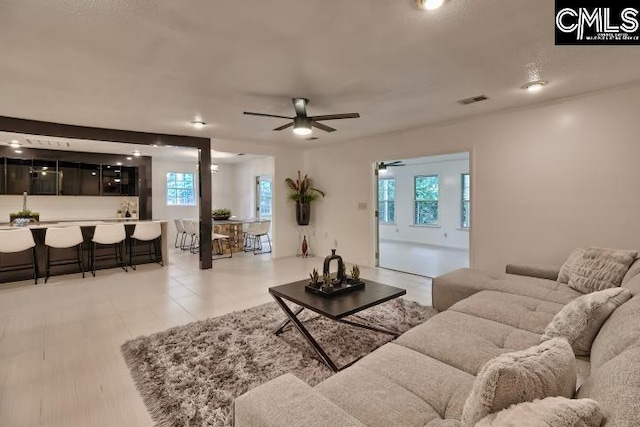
x: 189, y: 375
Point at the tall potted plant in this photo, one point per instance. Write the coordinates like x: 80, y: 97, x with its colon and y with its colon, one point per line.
x: 303, y: 193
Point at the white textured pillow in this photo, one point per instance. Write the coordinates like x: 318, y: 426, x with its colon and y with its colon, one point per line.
x: 545, y: 370
x: 549, y: 412
x: 580, y: 320
x: 565, y: 270
x: 600, y: 269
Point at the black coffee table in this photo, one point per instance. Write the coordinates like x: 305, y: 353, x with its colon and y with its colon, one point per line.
x: 335, y: 308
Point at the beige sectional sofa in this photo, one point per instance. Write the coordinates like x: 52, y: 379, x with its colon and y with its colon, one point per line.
x: 425, y: 376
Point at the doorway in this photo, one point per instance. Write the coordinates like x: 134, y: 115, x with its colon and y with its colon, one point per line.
x: 264, y: 198
x: 424, y: 214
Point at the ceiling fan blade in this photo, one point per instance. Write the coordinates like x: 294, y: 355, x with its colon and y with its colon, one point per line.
x: 336, y: 116
x: 322, y: 127
x: 248, y: 113
x: 300, y: 105
x: 283, y: 127
x: 395, y: 166
x: 397, y: 162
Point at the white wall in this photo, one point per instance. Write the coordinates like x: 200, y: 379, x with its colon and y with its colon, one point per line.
x: 58, y: 208
x: 159, y: 169
x: 544, y: 180
x: 448, y: 232
x: 245, y: 185
x: 223, y: 187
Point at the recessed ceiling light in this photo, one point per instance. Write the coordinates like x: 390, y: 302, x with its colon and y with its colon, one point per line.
x: 94, y: 173
x: 129, y: 158
x: 198, y: 124
x: 18, y: 151
x: 534, y: 87
x: 137, y: 153
x: 119, y: 163
x: 430, y: 4
x: 154, y: 145
x: 15, y: 144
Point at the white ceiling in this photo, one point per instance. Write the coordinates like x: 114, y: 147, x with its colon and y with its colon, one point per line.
x: 154, y: 65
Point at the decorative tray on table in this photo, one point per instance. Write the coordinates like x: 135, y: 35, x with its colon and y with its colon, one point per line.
x: 348, y: 285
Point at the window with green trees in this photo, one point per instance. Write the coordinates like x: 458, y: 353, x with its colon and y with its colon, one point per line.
x: 427, y: 195
x: 465, y: 218
x: 386, y: 200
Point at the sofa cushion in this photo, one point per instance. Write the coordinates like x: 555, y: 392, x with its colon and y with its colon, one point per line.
x: 616, y: 387
x: 452, y: 287
x: 567, y: 267
x: 633, y: 285
x: 449, y: 336
x: 618, y: 333
x: 545, y: 370
x: 529, y: 314
x: 633, y: 271
x: 599, y: 269
x: 398, y: 386
x: 549, y: 412
x: 580, y: 320
x: 288, y: 401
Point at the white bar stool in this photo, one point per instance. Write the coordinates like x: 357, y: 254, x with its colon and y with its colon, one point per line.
x: 63, y: 238
x: 180, y: 233
x: 111, y: 234
x: 12, y: 241
x: 150, y: 232
x: 249, y: 235
x: 219, y: 238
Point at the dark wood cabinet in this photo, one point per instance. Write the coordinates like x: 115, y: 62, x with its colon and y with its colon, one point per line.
x: 89, y: 179
x: 69, y: 178
x: 44, y: 178
x: 3, y: 169
x: 18, y: 176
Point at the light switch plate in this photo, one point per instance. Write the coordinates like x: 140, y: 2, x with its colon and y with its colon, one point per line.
x: 362, y: 206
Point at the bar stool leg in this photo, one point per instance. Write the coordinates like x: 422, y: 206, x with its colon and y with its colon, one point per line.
x: 93, y: 258
x: 80, y: 257
x: 47, y: 270
x: 35, y: 265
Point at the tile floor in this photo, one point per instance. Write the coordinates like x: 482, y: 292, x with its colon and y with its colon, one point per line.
x: 60, y: 360
x: 424, y: 260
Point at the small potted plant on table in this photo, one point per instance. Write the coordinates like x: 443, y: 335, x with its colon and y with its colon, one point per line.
x: 221, y: 214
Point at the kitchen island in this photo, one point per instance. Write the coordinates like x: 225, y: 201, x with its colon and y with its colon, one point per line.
x: 87, y: 227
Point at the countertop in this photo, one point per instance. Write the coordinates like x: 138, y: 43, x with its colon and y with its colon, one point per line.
x: 81, y: 223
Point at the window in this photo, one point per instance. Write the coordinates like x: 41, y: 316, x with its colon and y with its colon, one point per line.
x: 181, y: 190
x: 386, y: 200
x: 465, y: 217
x: 265, y: 196
x: 427, y: 194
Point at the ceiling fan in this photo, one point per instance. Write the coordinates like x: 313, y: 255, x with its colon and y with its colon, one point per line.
x: 382, y: 166
x: 302, y: 123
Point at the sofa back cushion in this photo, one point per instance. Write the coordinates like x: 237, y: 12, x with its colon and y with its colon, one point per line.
x: 619, y: 332
x: 633, y: 271
x: 616, y: 387
x: 600, y: 269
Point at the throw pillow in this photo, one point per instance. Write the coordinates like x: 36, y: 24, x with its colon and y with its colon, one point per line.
x: 600, y: 269
x: 545, y: 370
x: 580, y: 320
x: 634, y: 270
x: 565, y: 270
x: 549, y: 412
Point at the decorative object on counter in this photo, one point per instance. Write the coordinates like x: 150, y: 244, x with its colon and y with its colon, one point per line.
x: 305, y: 247
x: 25, y: 216
x: 303, y: 193
x: 315, y: 277
x: 24, y: 201
x: 222, y: 214
x: 134, y: 214
x: 127, y: 206
x: 334, y: 284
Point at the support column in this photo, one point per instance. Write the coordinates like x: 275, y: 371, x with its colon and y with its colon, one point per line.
x: 206, y: 222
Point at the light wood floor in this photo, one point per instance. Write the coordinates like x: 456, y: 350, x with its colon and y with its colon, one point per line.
x: 60, y: 360
x: 425, y: 260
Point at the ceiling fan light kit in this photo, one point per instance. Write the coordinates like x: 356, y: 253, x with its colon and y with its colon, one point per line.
x: 303, y: 124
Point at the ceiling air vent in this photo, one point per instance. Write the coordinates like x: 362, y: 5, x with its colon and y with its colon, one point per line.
x: 473, y: 100
x: 47, y: 143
